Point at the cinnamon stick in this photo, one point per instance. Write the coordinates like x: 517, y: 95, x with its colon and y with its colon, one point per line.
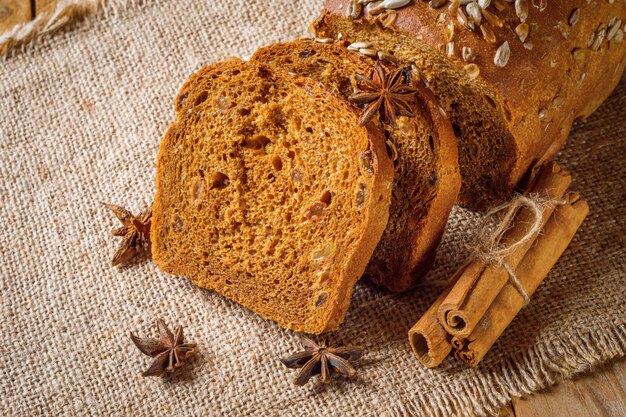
x: 428, y: 339
x: 466, y: 304
x: 538, y: 261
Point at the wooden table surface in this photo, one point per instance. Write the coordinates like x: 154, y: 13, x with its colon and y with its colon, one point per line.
x: 599, y: 394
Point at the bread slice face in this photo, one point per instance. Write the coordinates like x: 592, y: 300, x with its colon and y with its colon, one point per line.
x: 427, y: 178
x: 270, y: 193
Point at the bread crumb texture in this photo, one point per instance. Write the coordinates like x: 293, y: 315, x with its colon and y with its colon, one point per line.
x: 270, y: 193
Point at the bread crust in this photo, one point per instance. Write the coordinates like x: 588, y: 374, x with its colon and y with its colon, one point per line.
x: 167, y: 249
x: 424, y: 248
x: 548, y: 82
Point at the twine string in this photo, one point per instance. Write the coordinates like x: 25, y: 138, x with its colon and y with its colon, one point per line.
x: 487, y: 245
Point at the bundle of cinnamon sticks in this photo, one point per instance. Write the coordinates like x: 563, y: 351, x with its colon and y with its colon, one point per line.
x: 485, y: 295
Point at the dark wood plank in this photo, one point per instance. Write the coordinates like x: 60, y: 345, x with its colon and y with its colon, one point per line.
x: 599, y: 394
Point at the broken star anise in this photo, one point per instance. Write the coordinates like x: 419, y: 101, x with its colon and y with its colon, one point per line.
x: 135, y: 231
x: 169, y: 351
x: 322, y: 360
x: 385, y: 92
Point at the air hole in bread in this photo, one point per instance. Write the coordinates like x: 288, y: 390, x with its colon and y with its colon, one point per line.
x: 255, y: 142
x: 201, y: 98
x: 244, y: 112
x: 309, y: 130
x: 345, y: 85
x: 234, y: 72
x: 264, y: 73
x: 326, y: 198
x: 220, y: 181
x: 277, y: 162
x: 291, y: 154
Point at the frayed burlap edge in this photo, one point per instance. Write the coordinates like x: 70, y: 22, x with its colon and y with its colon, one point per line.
x: 66, y: 13
x: 544, y: 365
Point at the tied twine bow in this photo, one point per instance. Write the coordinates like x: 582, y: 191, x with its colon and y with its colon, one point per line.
x: 487, y: 245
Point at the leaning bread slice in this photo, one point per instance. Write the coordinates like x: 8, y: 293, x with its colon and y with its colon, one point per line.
x: 270, y: 193
x: 427, y: 178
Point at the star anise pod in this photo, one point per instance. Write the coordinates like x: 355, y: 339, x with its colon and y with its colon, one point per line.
x: 169, y: 351
x: 322, y: 360
x: 385, y: 92
x: 135, y: 231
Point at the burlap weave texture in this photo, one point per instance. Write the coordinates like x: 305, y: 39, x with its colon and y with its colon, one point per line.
x: 81, y: 117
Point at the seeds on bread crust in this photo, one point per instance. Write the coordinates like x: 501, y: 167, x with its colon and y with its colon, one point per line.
x: 502, y: 55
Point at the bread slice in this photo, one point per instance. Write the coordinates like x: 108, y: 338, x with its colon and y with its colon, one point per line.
x: 270, y: 193
x: 427, y: 178
x: 511, y: 81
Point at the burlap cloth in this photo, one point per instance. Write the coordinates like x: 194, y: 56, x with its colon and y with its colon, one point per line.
x: 81, y: 117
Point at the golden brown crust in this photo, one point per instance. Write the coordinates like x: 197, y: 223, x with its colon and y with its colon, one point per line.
x: 206, y: 233
x: 548, y: 82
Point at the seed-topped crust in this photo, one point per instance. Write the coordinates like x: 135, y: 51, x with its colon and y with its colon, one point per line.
x: 571, y: 49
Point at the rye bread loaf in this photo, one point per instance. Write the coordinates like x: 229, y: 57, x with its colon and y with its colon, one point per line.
x: 512, y: 77
x: 263, y: 200
x: 427, y: 178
